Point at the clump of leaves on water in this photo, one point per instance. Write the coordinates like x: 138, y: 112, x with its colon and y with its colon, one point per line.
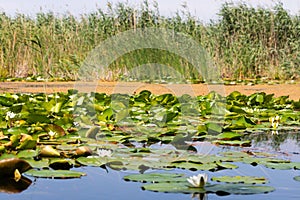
x: 177, y: 183
x: 63, y: 130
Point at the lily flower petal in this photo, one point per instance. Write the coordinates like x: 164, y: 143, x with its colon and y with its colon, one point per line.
x: 198, y: 181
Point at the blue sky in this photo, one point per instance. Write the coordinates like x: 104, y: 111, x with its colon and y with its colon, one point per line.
x: 204, y: 9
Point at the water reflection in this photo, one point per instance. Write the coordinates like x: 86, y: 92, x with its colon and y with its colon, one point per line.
x: 10, y: 186
x: 200, y: 196
x: 276, y: 140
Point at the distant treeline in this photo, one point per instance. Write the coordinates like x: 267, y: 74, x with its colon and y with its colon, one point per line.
x: 244, y: 43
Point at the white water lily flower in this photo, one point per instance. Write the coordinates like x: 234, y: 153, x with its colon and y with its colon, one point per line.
x: 51, y: 134
x: 10, y: 115
x: 274, y: 121
x: 198, y: 181
x: 274, y: 132
x: 76, y: 123
x: 104, y: 152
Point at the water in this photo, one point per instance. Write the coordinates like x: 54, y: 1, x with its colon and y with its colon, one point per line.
x: 107, y: 185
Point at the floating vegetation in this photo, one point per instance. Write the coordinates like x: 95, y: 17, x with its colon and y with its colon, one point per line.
x: 46, y: 136
x: 177, y: 183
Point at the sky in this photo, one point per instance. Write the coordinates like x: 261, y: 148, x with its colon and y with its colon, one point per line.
x: 205, y: 10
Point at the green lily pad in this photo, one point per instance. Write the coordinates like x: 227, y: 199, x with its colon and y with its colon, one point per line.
x: 27, y: 153
x: 62, y: 164
x: 245, y: 143
x: 240, y: 179
x: 92, y: 161
x: 213, y: 128
x: 223, y: 165
x: 38, y: 164
x: 182, y: 187
x: 297, y: 178
x: 156, y: 177
x: 195, y: 166
x: 282, y: 165
x: 56, y: 174
x: 239, y: 189
x: 229, y: 136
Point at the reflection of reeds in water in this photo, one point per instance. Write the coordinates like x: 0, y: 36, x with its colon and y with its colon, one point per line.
x: 245, y: 42
x: 284, y: 141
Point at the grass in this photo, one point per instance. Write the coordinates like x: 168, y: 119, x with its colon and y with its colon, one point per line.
x: 244, y: 43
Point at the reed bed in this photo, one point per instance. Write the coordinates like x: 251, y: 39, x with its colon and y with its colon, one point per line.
x: 244, y: 43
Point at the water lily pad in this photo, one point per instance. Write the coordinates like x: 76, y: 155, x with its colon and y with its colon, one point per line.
x: 56, y: 174
x: 9, y: 165
x: 213, y: 128
x: 282, y: 165
x: 242, y: 143
x: 156, y: 177
x: 49, y: 151
x: 63, y: 164
x: 223, y: 165
x: 297, y: 178
x: 195, y: 166
x: 27, y: 153
x: 239, y: 189
x: 182, y: 187
x: 92, y: 161
x: 240, y: 179
x: 229, y: 136
x: 38, y: 164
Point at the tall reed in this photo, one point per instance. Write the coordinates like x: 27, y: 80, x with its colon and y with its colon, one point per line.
x: 245, y: 42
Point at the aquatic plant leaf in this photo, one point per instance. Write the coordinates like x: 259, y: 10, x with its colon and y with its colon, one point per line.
x: 195, y: 166
x: 48, y: 151
x: 27, y: 144
x: 63, y: 164
x: 213, y: 128
x: 17, y: 130
x: 34, y: 118
x: 282, y: 165
x: 239, y: 189
x: 92, y: 132
x: 2, y: 149
x: 38, y: 164
x: 245, y: 143
x: 182, y: 187
x: 236, y: 109
x: 240, y: 179
x: 241, y: 123
x: 5, y: 101
x: 56, y: 174
x: 58, y: 130
x: 106, y: 115
x: 223, y: 165
x: 27, y: 153
x: 229, y: 136
x: 122, y: 114
x: 297, y: 178
x: 92, y: 161
x: 83, y: 151
x: 9, y: 165
x: 156, y: 177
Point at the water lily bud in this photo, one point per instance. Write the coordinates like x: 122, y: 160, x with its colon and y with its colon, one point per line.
x: 17, y: 175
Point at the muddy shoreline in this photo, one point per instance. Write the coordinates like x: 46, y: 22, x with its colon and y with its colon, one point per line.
x: 291, y: 90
